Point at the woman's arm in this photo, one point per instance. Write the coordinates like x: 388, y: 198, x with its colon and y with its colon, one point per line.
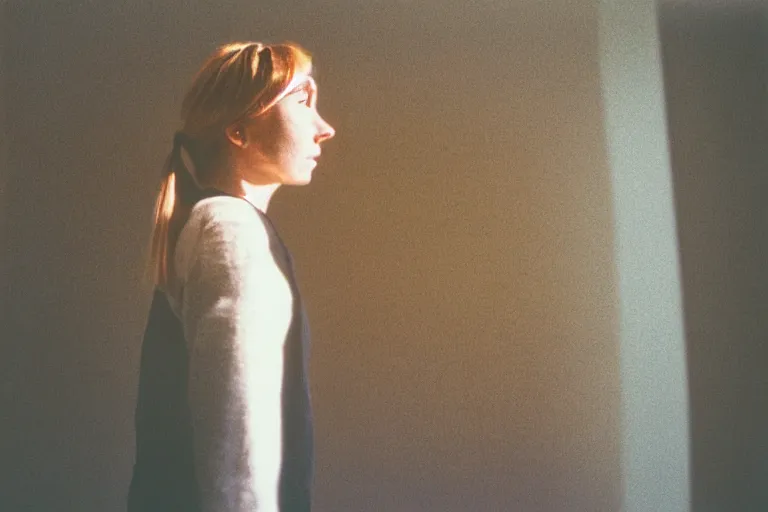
x: 236, y: 311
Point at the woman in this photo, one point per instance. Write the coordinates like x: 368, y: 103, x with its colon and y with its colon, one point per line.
x: 223, y: 419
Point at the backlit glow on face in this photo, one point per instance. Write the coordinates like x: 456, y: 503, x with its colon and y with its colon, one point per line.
x: 287, y: 137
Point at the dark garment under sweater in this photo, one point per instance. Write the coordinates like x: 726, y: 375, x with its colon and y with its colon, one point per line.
x: 164, y: 477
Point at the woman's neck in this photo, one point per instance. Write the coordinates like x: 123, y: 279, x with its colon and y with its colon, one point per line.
x: 258, y: 195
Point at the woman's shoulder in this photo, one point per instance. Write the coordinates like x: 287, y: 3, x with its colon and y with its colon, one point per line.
x: 221, y: 209
x: 225, y: 228
x: 228, y: 217
x: 226, y: 247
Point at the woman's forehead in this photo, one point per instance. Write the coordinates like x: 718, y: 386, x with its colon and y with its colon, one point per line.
x: 303, y: 83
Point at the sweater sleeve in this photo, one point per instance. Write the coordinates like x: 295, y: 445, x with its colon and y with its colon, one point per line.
x: 236, y: 312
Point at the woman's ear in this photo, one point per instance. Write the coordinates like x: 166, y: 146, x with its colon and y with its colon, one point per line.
x: 237, y: 135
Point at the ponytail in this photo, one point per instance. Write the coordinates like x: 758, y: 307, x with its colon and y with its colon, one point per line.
x: 178, y: 193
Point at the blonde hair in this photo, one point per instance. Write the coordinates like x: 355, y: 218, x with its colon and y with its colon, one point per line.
x: 238, y: 81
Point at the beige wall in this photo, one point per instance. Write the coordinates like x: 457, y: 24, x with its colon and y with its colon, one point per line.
x: 457, y: 245
x: 456, y: 249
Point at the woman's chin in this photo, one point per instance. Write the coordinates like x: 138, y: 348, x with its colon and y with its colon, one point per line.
x: 303, y: 176
x: 299, y: 179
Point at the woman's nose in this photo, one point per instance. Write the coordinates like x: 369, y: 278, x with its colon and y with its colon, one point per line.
x: 325, y: 131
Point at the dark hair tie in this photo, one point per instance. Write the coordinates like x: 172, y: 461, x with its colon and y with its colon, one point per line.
x: 179, y: 139
x: 174, y: 159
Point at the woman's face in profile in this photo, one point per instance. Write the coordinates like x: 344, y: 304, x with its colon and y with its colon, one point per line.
x: 286, y: 139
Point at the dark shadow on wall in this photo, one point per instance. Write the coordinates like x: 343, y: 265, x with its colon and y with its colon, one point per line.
x: 715, y: 73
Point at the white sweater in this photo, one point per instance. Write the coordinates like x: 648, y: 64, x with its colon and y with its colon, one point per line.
x: 235, y: 305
